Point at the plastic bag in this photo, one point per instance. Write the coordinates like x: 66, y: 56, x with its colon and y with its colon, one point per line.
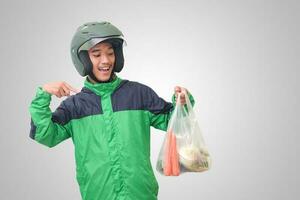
x: 183, y: 149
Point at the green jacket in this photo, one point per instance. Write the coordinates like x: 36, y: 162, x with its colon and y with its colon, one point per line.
x: 109, y: 124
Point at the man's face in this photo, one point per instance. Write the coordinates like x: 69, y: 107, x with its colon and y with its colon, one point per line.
x: 103, y: 58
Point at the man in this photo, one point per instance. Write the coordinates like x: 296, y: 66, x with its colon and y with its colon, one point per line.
x: 109, y: 120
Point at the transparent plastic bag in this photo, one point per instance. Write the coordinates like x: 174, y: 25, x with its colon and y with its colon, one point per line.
x: 183, y: 149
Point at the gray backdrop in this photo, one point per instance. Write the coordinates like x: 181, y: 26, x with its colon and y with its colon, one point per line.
x: 240, y: 60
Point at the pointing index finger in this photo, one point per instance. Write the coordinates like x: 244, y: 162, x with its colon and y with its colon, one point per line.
x: 72, y: 88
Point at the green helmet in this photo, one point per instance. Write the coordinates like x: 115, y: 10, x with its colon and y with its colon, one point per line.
x: 90, y: 34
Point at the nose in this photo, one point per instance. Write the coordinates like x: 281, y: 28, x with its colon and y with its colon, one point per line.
x: 104, y: 59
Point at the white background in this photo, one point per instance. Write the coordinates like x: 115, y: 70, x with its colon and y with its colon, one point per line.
x: 239, y: 59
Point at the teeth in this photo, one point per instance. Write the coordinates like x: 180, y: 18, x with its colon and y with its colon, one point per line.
x: 104, y: 68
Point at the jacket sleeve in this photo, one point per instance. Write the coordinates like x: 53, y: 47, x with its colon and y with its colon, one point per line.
x: 161, y: 111
x: 46, y: 127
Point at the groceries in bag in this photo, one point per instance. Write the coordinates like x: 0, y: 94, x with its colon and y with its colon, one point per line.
x: 183, y: 149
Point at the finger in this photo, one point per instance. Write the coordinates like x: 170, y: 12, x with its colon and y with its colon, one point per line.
x: 72, y: 88
x: 184, y: 91
x: 66, y: 90
x: 62, y: 92
x: 58, y: 94
x: 182, y: 101
x: 182, y: 96
x: 177, y: 89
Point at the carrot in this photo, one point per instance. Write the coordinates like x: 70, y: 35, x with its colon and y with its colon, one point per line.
x: 171, y: 160
x: 174, y: 157
x: 167, y: 156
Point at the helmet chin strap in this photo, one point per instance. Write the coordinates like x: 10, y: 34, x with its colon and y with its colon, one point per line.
x: 93, y: 77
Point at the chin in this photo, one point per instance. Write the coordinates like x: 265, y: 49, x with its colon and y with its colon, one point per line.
x: 103, y: 79
x: 106, y: 78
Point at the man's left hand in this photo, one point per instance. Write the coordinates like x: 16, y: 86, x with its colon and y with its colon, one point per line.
x: 182, y: 92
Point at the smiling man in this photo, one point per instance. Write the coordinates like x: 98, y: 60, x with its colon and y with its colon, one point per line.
x: 109, y: 120
x: 103, y: 58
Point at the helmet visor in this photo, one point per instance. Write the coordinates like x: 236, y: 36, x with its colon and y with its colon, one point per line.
x: 92, y: 42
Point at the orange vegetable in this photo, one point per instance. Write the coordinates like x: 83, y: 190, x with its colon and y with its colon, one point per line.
x: 171, y: 158
x: 174, y: 157
x: 167, y: 156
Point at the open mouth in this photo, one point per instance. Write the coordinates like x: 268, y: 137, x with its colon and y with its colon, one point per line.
x: 104, y: 69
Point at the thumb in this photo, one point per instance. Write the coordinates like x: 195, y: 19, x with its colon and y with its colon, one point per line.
x: 177, y: 89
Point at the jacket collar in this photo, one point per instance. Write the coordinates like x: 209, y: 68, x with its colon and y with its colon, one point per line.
x: 103, y: 88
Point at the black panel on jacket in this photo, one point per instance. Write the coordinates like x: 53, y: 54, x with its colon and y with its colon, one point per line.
x: 83, y: 104
x: 128, y: 96
x: 136, y: 96
x: 32, y: 130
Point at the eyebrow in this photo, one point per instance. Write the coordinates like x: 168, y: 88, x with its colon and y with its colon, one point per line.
x: 97, y: 50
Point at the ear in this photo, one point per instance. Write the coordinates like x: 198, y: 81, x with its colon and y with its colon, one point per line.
x: 119, y: 59
x: 86, y: 61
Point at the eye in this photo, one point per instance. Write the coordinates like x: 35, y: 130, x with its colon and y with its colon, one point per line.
x: 96, y: 55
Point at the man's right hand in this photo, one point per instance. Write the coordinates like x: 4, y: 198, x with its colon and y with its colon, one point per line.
x: 59, y: 89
